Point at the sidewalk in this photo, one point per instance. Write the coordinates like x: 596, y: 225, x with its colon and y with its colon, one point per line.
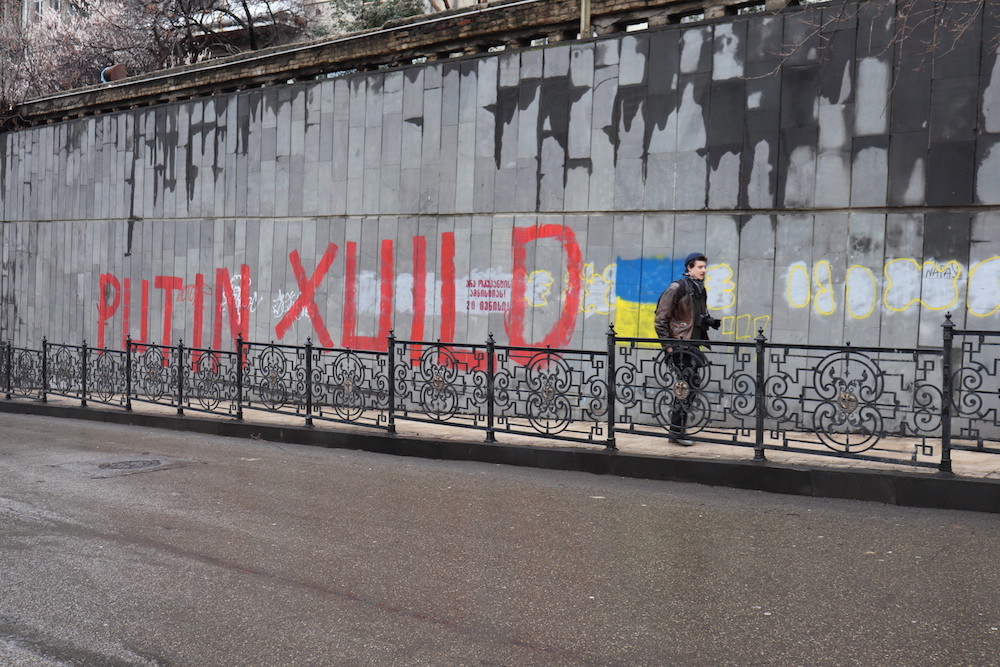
x: 973, y: 485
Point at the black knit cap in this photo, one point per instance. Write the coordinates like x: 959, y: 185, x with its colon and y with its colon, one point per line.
x: 694, y: 257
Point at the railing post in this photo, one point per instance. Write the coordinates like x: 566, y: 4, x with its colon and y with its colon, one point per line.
x: 491, y: 369
x: 84, y: 356
x: 45, y: 368
x: 391, y: 428
x: 309, y: 374
x: 612, y: 386
x: 180, y: 377
x: 239, y: 376
x: 128, y: 373
x: 947, y: 385
x: 9, y: 371
x: 760, y: 397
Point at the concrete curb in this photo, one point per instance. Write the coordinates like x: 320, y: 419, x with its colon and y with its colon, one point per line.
x: 933, y: 490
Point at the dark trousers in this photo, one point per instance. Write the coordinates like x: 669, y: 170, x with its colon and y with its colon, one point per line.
x: 687, y: 363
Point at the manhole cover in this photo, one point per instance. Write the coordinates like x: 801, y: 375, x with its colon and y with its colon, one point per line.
x: 129, y: 465
x: 124, y: 465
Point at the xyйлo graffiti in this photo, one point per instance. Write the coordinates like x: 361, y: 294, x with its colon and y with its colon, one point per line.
x: 625, y: 291
x: 904, y: 283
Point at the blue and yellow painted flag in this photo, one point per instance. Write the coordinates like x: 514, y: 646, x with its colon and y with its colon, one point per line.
x: 638, y: 286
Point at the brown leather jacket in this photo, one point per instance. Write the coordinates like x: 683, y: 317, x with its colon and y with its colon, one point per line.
x: 678, y: 309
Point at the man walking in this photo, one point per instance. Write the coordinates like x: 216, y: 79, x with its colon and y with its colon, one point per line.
x: 682, y: 315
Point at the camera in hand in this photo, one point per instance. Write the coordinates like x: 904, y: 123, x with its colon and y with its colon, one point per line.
x: 705, y: 321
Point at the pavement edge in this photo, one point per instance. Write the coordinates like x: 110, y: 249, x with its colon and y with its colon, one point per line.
x: 928, y: 490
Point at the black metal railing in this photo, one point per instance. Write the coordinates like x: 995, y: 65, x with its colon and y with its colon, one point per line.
x: 973, y: 361
x: 869, y: 403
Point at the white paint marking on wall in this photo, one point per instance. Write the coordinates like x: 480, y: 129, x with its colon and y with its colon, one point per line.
x: 799, y: 285
x: 727, y: 64
x: 691, y: 134
x: 801, y: 181
x: 917, y: 186
x: 991, y: 100
x: 931, y: 285
x: 691, y: 49
x: 871, y: 108
x: 720, y: 286
x: 983, y: 298
x: 759, y: 192
x: 861, y: 291
x: 986, y: 175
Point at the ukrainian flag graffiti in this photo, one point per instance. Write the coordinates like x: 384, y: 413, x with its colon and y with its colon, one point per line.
x: 639, y: 283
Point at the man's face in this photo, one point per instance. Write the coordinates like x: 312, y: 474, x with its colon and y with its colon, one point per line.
x: 697, y: 271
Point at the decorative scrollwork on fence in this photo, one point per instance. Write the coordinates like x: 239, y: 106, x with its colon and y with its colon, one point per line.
x: 437, y: 377
x: 850, y: 400
x: 211, y: 380
x: 976, y: 390
x: 968, y: 383
x: 926, y: 416
x: 846, y: 416
x: 64, y: 370
x: 548, y: 379
x: 154, y: 374
x: 26, y: 372
x: 744, y: 388
x: 555, y: 393
x: 441, y: 382
x: 107, y: 376
x: 697, y: 390
x: 680, y: 402
x: 346, y: 383
x: 275, y: 378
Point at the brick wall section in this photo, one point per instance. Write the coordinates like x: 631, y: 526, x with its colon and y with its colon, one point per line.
x: 507, y: 23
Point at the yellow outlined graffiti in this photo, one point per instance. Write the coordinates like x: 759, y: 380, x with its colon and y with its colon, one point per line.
x: 817, y: 289
x: 983, y: 293
x: 539, y: 285
x: 597, y: 289
x: 824, y: 302
x: 798, y: 285
x: 743, y: 327
x: 909, y: 282
x: 720, y: 287
x: 860, y: 291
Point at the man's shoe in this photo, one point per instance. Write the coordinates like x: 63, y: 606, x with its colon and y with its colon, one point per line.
x: 679, y: 439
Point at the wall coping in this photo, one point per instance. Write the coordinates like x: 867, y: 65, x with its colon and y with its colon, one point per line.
x: 426, y: 38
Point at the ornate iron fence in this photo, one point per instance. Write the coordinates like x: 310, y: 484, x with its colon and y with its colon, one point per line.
x: 348, y: 386
x: 874, y: 404
x: 851, y: 400
x: 555, y: 393
x: 24, y: 372
x: 974, y: 358
x: 706, y: 394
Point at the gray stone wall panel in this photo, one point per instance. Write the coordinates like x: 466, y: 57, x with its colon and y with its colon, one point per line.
x: 634, y: 148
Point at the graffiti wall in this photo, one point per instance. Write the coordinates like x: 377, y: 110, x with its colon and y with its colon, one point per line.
x: 843, y: 189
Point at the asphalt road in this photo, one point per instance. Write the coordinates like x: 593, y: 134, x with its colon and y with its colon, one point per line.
x: 242, y: 552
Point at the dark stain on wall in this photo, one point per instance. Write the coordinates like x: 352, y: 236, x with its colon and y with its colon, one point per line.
x: 861, y: 245
x: 947, y: 236
x: 555, y: 96
x: 161, y: 148
x: 505, y: 108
